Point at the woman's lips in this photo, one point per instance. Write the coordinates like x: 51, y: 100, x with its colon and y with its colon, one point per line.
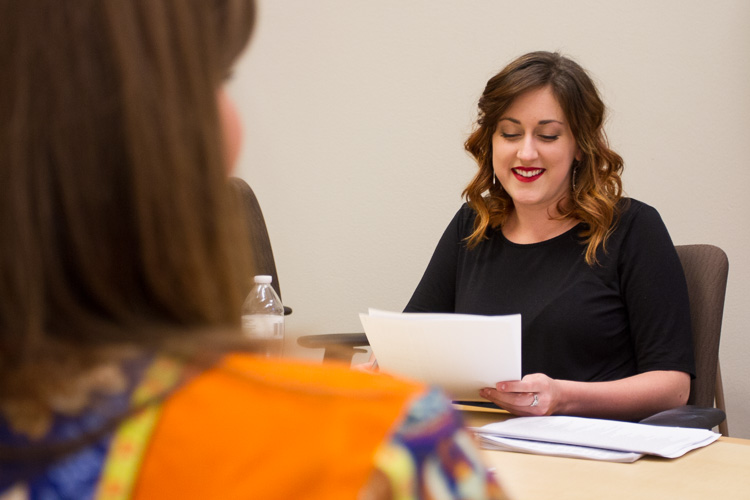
x: 527, y: 174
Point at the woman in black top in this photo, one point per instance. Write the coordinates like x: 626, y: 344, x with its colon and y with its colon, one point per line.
x: 546, y: 233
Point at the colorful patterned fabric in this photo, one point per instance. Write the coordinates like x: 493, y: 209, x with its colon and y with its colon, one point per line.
x: 129, y: 444
x: 431, y: 455
x: 76, y: 476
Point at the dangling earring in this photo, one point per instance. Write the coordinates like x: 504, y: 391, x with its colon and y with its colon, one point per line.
x: 496, y: 186
x: 573, y: 177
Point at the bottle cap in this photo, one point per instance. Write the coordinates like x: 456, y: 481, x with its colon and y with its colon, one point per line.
x: 263, y: 278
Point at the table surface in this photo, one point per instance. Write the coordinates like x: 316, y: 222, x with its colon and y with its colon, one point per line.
x: 721, y: 469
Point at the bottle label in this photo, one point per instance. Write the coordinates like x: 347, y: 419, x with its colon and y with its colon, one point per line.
x: 263, y: 326
x: 266, y: 327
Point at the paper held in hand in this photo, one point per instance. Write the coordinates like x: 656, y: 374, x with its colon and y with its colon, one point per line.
x: 461, y: 353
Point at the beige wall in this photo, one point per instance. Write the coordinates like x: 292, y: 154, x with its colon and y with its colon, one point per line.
x: 355, y: 113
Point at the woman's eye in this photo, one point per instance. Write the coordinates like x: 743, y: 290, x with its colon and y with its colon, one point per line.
x: 549, y: 137
x: 509, y: 136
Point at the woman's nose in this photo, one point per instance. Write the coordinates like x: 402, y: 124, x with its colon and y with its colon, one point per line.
x: 527, y: 150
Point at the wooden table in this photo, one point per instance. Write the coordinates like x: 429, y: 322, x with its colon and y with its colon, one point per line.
x: 718, y: 471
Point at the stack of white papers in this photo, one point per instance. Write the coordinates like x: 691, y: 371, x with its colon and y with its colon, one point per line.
x: 461, y: 353
x: 591, y: 438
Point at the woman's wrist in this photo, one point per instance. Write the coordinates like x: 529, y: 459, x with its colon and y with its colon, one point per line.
x: 564, y: 397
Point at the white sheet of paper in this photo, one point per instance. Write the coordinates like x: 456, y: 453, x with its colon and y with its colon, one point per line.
x: 489, y: 442
x: 669, y: 442
x: 461, y: 353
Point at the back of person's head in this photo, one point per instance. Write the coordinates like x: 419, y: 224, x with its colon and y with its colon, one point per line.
x: 115, y: 222
x: 597, y: 175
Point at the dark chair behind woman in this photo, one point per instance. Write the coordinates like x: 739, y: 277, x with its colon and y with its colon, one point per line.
x: 706, y: 269
x: 262, y: 258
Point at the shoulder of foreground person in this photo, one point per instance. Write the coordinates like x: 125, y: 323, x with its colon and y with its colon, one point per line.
x: 278, y: 428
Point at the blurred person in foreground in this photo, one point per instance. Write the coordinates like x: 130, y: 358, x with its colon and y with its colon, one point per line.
x: 123, y: 372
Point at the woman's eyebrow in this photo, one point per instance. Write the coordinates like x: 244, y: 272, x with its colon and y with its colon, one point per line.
x: 541, y: 122
x: 545, y: 122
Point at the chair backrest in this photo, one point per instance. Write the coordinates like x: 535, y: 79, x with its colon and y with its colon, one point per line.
x: 260, y: 243
x: 706, y: 269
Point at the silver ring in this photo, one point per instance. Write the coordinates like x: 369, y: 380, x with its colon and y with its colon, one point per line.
x: 536, y: 400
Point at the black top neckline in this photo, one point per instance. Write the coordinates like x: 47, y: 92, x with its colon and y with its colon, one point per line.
x: 549, y: 241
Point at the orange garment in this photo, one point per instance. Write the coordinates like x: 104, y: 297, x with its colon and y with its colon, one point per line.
x: 271, y: 429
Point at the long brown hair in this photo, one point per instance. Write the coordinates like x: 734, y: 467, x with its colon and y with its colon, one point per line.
x: 116, y: 228
x: 597, y: 183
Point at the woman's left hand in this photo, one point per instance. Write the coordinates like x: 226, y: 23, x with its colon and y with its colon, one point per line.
x: 534, y: 394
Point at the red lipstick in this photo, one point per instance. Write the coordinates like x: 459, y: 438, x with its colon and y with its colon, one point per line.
x: 527, y: 174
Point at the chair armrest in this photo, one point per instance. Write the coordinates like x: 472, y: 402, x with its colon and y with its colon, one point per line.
x: 688, y: 416
x: 338, y: 346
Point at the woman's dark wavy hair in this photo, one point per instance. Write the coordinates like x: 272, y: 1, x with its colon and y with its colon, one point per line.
x: 598, y: 186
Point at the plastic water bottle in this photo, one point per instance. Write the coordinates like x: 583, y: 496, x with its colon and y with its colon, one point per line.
x: 263, y: 317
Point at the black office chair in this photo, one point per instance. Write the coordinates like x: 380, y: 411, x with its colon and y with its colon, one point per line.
x: 263, y: 261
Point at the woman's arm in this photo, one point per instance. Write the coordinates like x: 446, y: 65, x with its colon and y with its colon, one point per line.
x: 653, y: 288
x: 436, y: 291
x: 631, y: 398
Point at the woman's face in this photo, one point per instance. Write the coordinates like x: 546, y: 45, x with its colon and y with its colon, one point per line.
x: 533, y: 150
x: 231, y: 129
